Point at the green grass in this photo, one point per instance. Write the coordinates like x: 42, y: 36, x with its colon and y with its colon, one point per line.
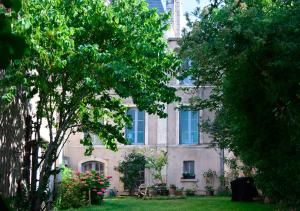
x: 188, y: 204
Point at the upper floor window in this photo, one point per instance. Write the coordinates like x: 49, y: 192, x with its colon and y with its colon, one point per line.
x: 96, y: 141
x: 188, y: 127
x: 93, y: 165
x: 136, y: 133
x: 187, y: 80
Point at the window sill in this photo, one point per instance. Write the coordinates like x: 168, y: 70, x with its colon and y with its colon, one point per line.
x: 188, y: 180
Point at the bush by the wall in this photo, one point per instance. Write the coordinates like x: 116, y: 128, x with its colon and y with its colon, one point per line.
x: 77, y: 188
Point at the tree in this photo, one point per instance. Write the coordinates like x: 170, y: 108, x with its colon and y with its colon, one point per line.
x: 248, y: 51
x: 84, y: 58
x: 131, y: 168
x: 156, y: 165
x: 11, y: 45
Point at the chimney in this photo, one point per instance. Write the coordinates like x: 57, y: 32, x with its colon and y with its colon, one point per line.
x: 177, y: 17
x: 174, y: 6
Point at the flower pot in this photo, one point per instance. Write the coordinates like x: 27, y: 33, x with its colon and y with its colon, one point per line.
x: 152, y: 192
x: 188, y: 177
x: 209, y: 193
x: 172, y: 191
x: 178, y: 193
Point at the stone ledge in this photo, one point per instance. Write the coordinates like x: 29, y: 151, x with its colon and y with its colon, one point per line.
x: 188, y: 180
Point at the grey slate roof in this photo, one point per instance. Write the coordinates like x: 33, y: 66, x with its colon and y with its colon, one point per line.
x: 156, y: 4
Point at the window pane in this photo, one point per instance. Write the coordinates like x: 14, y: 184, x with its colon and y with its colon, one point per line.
x: 141, y: 115
x: 188, y: 127
x: 140, y: 137
x: 187, y: 81
x: 131, y: 112
x: 141, y: 126
x: 130, y: 135
x: 183, y: 127
x: 188, y: 167
x: 135, y: 134
x: 96, y: 140
x: 93, y: 165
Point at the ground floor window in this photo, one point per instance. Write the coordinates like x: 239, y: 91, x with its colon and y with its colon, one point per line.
x: 188, y: 169
x: 93, y: 165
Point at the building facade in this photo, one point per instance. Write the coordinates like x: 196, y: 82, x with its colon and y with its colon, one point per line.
x: 180, y: 134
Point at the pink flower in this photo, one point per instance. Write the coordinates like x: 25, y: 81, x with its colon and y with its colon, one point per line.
x: 99, y: 193
x: 77, y: 173
x: 109, y: 177
x: 101, y: 183
x: 95, y: 190
x: 103, y: 190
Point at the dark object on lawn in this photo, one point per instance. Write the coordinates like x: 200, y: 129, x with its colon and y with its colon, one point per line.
x: 243, y: 189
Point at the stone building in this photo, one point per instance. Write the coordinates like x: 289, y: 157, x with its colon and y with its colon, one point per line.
x: 180, y: 134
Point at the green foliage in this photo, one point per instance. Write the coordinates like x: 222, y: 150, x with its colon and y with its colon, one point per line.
x: 12, y: 46
x: 209, y: 173
x: 131, y: 167
x: 75, y: 187
x: 248, y: 51
x: 189, y: 192
x: 84, y: 59
x: 156, y: 163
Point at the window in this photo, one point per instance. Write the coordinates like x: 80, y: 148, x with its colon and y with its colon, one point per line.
x: 136, y: 133
x: 187, y: 80
x: 96, y: 141
x: 188, y: 169
x: 188, y: 127
x: 93, y: 165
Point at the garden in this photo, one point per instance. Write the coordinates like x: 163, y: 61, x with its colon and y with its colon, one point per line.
x: 189, y: 203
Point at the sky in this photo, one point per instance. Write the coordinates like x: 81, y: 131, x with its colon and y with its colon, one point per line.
x: 189, y: 6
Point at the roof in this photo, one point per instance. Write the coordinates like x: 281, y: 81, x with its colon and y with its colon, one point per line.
x: 156, y: 4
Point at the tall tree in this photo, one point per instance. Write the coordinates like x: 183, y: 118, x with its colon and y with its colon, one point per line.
x: 85, y: 57
x: 248, y: 51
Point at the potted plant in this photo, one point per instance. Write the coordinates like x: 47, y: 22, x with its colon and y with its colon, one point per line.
x: 209, y: 190
x: 190, y: 192
x: 162, y: 189
x: 179, y: 192
x: 151, y: 191
x: 187, y: 175
x: 172, y: 190
x: 209, y: 176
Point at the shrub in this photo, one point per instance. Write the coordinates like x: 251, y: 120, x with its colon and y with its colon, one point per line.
x: 75, y: 188
x: 131, y: 168
x: 189, y: 192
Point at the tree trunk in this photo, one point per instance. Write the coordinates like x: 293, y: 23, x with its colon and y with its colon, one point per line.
x: 45, y: 173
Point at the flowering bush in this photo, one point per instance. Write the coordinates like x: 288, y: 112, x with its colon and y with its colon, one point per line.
x: 95, y: 183
x: 75, y: 189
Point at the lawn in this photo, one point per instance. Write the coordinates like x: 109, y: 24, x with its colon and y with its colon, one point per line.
x: 188, y: 204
